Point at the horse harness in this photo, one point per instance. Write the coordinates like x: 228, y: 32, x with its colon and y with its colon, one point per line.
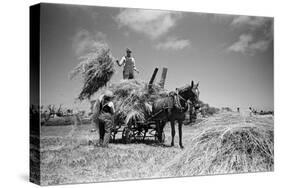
x: 177, y: 97
x: 176, y: 102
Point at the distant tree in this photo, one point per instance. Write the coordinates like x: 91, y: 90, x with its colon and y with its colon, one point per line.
x: 59, y: 112
x: 69, y: 112
x: 228, y: 109
x: 49, y: 113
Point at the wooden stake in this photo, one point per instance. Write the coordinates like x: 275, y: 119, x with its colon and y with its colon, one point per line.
x: 163, y: 77
x: 152, y: 78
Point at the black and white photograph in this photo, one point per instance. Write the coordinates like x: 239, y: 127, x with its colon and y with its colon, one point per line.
x: 130, y: 93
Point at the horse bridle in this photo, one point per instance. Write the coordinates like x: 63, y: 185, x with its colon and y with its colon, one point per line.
x: 186, y: 102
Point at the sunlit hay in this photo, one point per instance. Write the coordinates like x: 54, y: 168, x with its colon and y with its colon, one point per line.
x: 132, y: 100
x: 96, y: 69
x: 231, y: 149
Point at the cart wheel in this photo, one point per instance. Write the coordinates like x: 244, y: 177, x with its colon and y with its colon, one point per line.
x: 127, y: 135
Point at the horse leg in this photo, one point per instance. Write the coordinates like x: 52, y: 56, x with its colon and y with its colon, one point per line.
x: 173, y: 132
x: 159, y: 128
x: 163, y: 123
x: 180, y: 133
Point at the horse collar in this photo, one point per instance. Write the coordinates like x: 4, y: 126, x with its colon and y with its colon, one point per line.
x: 185, y: 101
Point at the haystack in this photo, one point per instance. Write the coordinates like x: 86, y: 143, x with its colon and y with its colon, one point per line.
x: 232, y: 149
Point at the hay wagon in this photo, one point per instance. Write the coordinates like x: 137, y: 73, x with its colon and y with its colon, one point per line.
x: 139, y: 130
x: 96, y: 69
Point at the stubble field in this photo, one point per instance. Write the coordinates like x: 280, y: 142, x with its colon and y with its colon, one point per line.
x: 216, y: 145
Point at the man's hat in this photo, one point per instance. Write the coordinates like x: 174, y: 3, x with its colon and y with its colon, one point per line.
x: 108, y: 93
x: 128, y: 50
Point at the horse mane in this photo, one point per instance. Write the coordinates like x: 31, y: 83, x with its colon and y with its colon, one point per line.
x: 184, y: 88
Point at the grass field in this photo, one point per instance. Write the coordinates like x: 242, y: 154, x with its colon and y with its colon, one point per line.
x: 66, y: 156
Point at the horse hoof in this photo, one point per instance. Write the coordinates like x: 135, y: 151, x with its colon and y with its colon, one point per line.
x: 172, y: 145
x: 182, y: 147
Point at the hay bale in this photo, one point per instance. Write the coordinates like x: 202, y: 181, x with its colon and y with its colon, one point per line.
x: 96, y: 69
x: 232, y: 149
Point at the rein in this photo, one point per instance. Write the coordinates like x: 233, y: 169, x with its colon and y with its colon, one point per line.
x: 182, y: 108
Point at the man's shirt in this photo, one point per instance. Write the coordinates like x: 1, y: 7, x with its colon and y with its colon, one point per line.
x: 129, y: 63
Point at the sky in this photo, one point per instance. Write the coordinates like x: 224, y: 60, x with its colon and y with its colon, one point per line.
x: 231, y: 56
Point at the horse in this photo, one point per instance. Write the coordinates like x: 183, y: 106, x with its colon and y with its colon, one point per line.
x: 173, y: 108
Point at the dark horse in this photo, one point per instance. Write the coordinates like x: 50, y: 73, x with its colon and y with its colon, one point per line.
x: 173, y: 108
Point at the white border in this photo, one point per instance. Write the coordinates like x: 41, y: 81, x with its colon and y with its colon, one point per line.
x: 14, y: 71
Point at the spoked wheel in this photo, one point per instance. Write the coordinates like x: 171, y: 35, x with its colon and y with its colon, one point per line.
x: 127, y: 135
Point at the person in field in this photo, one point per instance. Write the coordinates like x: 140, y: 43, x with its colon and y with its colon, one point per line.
x: 129, y: 65
x: 103, y: 119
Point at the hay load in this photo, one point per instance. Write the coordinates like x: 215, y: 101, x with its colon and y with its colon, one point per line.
x: 232, y: 149
x: 132, y: 99
x: 96, y: 69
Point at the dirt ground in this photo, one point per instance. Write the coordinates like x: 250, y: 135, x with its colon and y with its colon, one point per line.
x: 67, y: 157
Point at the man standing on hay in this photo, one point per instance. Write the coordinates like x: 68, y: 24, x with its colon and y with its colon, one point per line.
x: 103, y: 118
x: 129, y: 65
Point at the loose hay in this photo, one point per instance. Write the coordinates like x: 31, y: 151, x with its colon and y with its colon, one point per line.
x: 231, y: 149
x: 133, y: 101
x: 132, y: 98
x: 96, y: 68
